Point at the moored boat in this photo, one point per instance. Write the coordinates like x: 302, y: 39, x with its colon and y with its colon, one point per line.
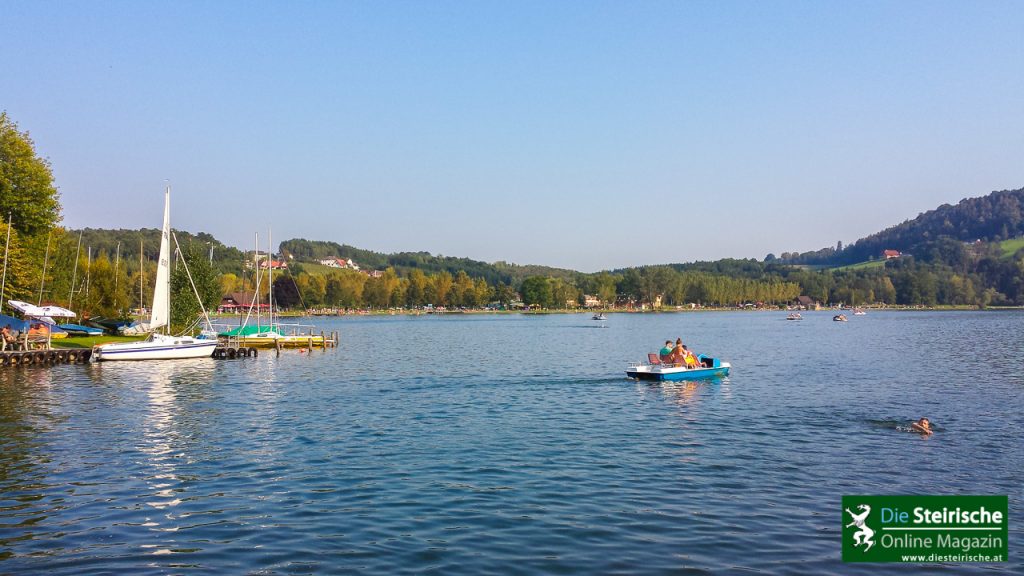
x: 273, y: 336
x: 655, y: 370
x: 159, y: 346
x: 272, y: 333
x: 156, y: 347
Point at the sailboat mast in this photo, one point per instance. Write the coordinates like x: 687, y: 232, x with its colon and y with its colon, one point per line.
x: 74, y: 275
x: 46, y: 260
x: 88, y: 273
x: 270, y: 271
x: 256, y: 275
x: 165, y: 243
x: 142, y: 276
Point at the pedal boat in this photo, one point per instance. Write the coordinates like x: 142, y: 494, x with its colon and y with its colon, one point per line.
x: 654, y: 370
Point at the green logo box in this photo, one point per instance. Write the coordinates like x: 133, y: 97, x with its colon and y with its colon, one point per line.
x: 924, y: 529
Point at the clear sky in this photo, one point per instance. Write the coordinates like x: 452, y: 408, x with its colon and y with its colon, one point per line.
x: 589, y: 135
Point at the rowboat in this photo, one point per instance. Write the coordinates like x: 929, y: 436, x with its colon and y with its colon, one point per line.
x: 654, y: 369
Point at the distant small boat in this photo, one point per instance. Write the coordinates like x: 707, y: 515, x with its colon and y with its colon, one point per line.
x: 600, y: 317
x: 839, y: 318
x: 859, y: 312
x: 794, y: 316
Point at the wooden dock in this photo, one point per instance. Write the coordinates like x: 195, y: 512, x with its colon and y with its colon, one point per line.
x: 45, y: 357
x: 229, y: 350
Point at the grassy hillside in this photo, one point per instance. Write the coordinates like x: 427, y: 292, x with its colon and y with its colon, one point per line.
x: 870, y: 264
x: 1010, y: 247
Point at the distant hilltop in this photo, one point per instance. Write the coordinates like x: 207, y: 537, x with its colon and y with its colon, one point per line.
x: 993, y: 218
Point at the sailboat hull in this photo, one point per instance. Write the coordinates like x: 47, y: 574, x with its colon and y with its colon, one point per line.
x: 158, y: 348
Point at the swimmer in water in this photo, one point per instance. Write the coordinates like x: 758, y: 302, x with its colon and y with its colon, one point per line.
x: 922, y: 426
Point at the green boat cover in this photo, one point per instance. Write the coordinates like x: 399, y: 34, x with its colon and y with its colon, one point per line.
x: 247, y: 330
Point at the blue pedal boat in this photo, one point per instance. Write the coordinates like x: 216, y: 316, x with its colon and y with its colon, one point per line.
x: 655, y: 370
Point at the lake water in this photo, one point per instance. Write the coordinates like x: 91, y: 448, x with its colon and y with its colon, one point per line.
x: 511, y: 445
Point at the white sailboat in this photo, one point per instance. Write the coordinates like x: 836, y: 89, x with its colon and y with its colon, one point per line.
x: 159, y: 346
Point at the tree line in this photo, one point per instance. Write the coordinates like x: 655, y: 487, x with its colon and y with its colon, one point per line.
x: 100, y: 272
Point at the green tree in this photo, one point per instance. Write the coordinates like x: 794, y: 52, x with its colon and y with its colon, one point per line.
x: 286, y: 293
x: 350, y: 289
x: 563, y: 294
x: 439, y: 289
x: 463, y: 290
x: 482, y: 291
x: 184, y: 306
x: 416, y: 292
x: 108, y: 292
x: 505, y: 294
x: 313, y: 288
x: 606, y: 288
x: 229, y: 283
x: 18, y: 284
x: 27, y: 192
x: 536, y: 291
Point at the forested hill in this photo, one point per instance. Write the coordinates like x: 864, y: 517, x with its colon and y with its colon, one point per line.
x: 304, y: 250
x: 998, y: 216
x: 127, y: 243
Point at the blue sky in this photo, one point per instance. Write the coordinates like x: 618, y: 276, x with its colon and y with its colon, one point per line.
x: 588, y: 135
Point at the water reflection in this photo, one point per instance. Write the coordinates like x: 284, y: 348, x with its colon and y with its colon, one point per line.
x: 31, y: 414
x: 173, y: 404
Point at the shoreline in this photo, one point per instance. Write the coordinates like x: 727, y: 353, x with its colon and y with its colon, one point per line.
x: 543, y: 312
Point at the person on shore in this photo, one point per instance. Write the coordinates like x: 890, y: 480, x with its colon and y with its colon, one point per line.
x: 922, y: 426
x: 8, y: 337
x: 666, y: 351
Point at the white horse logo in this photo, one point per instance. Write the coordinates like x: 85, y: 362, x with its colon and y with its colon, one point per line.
x: 864, y: 535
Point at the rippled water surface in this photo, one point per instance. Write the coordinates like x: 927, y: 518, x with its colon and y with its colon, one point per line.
x: 510, y: 444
